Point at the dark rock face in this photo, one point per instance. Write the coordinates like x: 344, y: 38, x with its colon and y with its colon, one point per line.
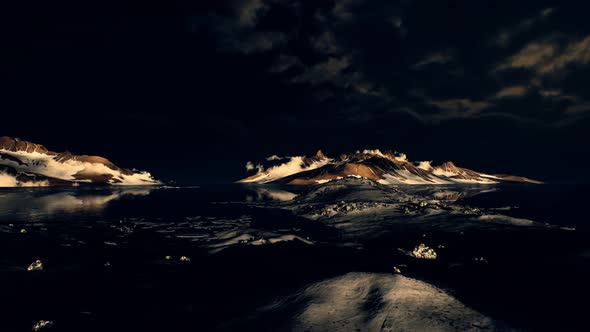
x: 16, y: 144
x: 12, y: 158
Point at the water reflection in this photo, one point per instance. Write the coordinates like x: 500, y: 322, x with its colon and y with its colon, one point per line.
x: 31, y: 204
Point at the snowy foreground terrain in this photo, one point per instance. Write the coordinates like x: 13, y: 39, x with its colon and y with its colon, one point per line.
x: 365, y: 212
x: 380, y: 302
x: 350, y: 254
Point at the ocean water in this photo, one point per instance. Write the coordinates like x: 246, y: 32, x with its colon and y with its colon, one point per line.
x: 235, y: 257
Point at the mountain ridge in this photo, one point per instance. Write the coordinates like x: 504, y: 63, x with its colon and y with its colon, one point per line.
x: 23, y: 163
x: 384, y: 167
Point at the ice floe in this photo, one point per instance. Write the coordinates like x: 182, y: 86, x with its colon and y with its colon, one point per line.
x: 42, y: 324
x: 35, y: 266
x: 422, y: 251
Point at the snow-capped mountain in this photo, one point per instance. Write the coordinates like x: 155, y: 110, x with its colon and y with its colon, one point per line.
x: 383, y: 167
x: 24, y: 163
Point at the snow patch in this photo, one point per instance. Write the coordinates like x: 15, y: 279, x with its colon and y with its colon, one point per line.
x: 508, y: 219
x: 398, y: 156
x: 275, y: 194
x: 425, y: 165
x: 274, y: 157
x: 409, y: 178
x: 293, y: 166
x: 7, y: 180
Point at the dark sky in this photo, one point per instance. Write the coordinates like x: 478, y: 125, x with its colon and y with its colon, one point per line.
x: 191, y: 90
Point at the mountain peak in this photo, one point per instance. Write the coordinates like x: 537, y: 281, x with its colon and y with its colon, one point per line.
x: 16, y: 144
x: 449, y: 165
x: 321, y: 154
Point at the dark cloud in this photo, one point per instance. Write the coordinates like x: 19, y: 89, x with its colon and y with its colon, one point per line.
x: 331, y: 70
x: 515, y: 91
x: 507, y: 35
x: 249, y: 10
x: 461, y: 107
x: 235, y: 35
x: 579, y: 107
x: 283, y: 63
x: 436, y: 58
x: 325, y: 43
x: 549, y: 56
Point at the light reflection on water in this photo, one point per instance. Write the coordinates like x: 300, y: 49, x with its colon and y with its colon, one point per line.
x: 39, y: 203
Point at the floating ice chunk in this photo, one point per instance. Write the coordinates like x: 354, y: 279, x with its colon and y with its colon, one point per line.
x: 168, y: 258
x: 42, y: 324
x: 398, y: 269
x: 185, y: 259
x: 23, y: 231
x: 35, y: 266
x: 422, y: 251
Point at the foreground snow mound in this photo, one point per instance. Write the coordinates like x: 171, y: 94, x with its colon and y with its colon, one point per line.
x: 380, y: 302
x: 383, y: 167
x: 26, y: 164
